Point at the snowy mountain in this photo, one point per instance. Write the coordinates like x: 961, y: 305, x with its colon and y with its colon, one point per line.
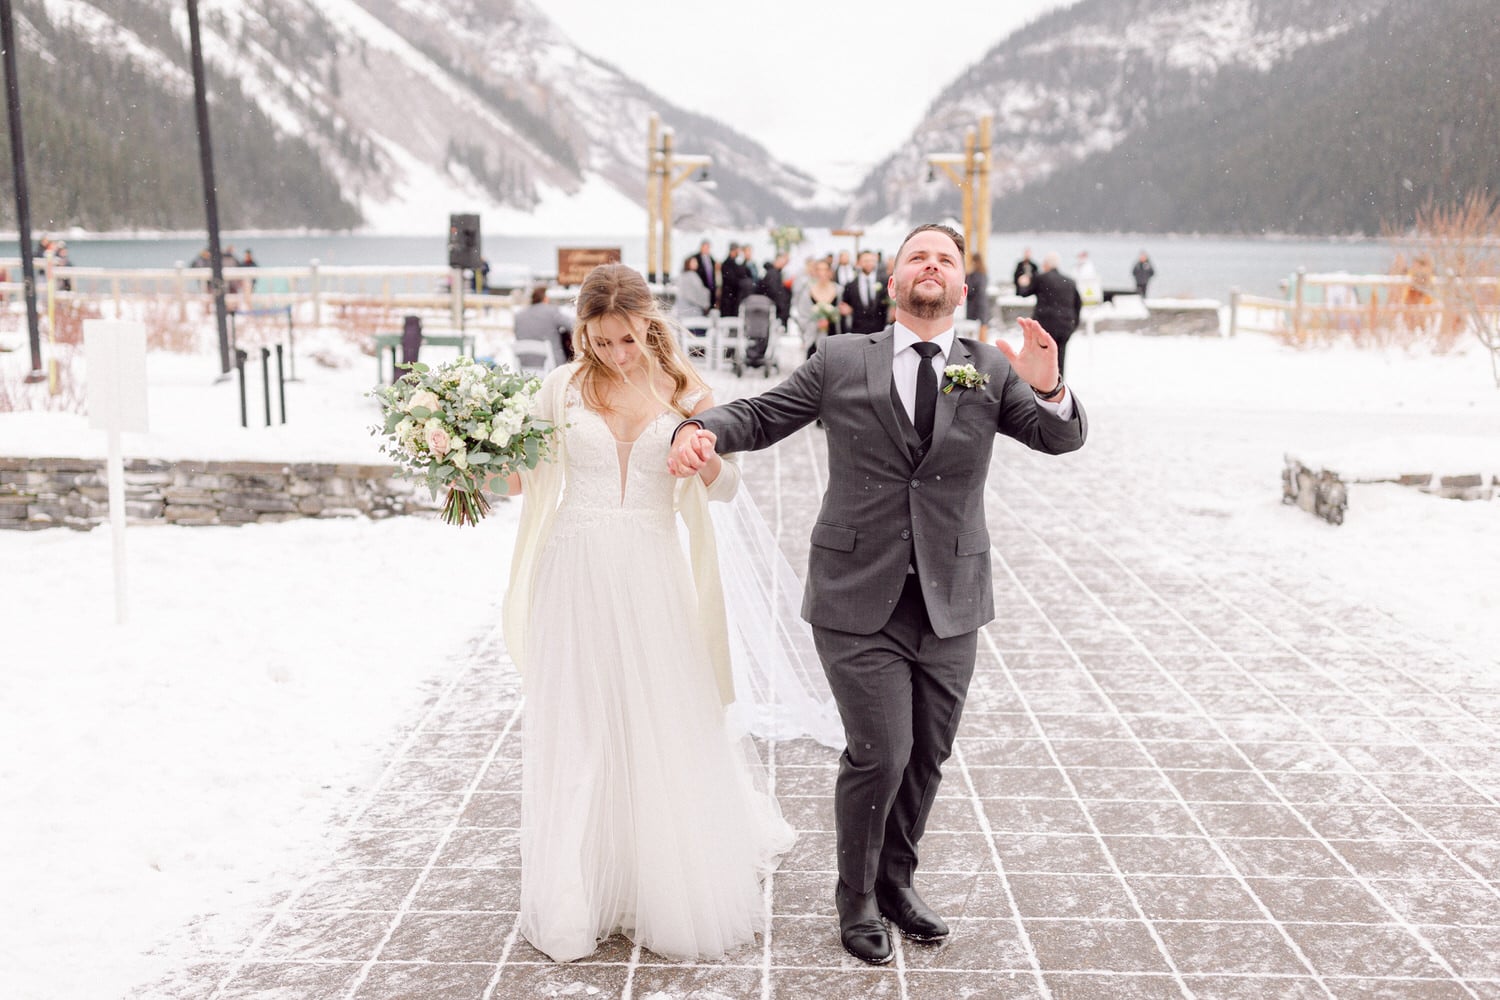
x: 1349, y: 136
x: 415, y: 108
x: 1082, y: 80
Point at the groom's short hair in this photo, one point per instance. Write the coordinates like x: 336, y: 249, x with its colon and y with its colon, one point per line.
x: 948, y: 231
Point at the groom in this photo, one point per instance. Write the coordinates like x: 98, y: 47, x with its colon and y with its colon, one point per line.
x: 898, y: 579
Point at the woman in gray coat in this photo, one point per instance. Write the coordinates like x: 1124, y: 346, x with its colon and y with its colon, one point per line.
x: 692, y: 293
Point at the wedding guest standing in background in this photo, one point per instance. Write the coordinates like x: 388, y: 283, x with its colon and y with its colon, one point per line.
x: 1058, y: 304
x: 1026, y: 269
x: 1143, y: 272
x: 693, y: 296
x: 977, y: 305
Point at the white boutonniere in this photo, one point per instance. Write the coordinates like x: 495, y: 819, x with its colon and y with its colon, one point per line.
x: 963, y: 376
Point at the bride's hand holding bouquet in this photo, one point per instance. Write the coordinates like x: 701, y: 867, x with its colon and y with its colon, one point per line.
x: 460, y: 425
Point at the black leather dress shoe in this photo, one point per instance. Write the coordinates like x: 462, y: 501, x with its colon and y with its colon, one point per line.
x: 914, y: 918
x: 861, y: 931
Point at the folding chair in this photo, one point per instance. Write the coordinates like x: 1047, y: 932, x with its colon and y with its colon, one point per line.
x: 730, y: 343
x: 697, y: 335
x: 534, y: 357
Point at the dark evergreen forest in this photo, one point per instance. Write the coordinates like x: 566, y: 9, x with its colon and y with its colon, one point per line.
x: 1344, y: 138
x: 112, y: 146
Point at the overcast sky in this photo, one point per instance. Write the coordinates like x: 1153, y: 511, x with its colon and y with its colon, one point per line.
x: 829, y: 86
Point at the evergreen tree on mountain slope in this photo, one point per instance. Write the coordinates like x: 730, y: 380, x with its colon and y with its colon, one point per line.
x: 110, y: 146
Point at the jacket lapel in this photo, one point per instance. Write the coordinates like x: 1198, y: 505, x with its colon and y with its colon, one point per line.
x: 878, y: 383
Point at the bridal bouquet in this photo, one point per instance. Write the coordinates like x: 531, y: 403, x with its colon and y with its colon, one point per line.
x: 457, y: 425
x: 825, y: 317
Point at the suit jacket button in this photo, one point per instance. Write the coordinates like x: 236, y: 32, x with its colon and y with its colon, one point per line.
x: 905, y: 534
x: 915, y: 483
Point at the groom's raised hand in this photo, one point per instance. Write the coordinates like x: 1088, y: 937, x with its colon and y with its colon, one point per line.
x: 692, y: 447
x: 1036, y: 361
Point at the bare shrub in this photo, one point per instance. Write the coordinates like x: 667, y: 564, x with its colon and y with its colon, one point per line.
x: 67, y: 319
x: 168, y: 327
x: 359, y: 322
x: 1455, y: 273
x: 16, y: 394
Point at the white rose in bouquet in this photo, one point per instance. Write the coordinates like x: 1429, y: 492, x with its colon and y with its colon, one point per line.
x: 425, y: 399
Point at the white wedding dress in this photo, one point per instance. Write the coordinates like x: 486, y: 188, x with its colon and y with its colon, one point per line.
x: 641, y: 813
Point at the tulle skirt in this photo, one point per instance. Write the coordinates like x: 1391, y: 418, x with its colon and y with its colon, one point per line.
x: 641, y: 814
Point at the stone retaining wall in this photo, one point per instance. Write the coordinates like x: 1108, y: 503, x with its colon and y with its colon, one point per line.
x: 74, y: 492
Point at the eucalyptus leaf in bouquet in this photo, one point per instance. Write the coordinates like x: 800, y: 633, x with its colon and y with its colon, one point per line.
x: 456, y: 426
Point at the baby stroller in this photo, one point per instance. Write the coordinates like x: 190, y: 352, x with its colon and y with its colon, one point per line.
x: 758, y: 328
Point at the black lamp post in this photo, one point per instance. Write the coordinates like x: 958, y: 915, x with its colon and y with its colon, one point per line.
x: 23, y: 197
x: 210, y: 189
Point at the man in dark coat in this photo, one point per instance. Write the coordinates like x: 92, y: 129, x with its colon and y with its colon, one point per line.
x: 1058, y: 305
x: 731, y: 274
x: 1025, y: 271
x: 866, y: 302
x: 773, y: 286
x: 1143, y: 272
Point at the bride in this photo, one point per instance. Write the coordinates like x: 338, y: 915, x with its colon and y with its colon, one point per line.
x: 641, y: 812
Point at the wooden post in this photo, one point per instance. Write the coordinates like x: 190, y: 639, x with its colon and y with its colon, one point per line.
x: 316, y: 290
x: 982, y: 240
x: 181, y: 286
x: 968, y: 199
x: 54, y: 384
x: 1234, y: 311
x: 1297, y: 305
x: 653, y: 195
x: 667, y: 183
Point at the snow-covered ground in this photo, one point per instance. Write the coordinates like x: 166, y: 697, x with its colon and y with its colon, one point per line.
x: 194, y: 757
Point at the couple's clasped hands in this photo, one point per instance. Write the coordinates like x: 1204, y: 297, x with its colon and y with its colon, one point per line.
x: 692, y: 447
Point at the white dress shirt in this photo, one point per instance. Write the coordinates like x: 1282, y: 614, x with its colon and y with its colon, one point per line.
x: 904, y: 371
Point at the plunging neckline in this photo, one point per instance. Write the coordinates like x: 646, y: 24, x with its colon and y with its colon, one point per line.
x: 624, y: 448
x: 638, y: 434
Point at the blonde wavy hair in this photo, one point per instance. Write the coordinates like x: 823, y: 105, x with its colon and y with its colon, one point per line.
x: 617, y: 290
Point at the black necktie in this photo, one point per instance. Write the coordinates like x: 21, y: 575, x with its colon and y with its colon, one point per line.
x: 927, y: 388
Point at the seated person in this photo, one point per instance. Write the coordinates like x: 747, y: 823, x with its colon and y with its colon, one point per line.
x: 543, y: 321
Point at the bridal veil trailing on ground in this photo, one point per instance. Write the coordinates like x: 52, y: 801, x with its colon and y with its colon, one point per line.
x: 780, y: 690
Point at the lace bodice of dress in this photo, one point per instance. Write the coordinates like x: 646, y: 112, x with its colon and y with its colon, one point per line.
x: 598, y: 466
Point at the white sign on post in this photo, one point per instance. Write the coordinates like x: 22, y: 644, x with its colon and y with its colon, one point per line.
x: 115, y: 352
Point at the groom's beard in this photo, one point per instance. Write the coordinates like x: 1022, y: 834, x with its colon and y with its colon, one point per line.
x: 924, y: 302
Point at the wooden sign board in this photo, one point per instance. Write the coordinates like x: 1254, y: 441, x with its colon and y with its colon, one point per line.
x: 575, y: 263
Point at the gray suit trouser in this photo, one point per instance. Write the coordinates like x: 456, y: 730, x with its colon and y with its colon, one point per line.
x: 900, y: 693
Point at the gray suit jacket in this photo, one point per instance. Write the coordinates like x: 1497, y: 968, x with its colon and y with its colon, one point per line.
x: 884, y: 510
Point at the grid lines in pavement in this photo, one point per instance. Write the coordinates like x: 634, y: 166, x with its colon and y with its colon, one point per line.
x: 1182, y: 772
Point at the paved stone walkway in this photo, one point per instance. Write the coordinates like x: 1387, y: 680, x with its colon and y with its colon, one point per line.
x: 1181, y: 773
